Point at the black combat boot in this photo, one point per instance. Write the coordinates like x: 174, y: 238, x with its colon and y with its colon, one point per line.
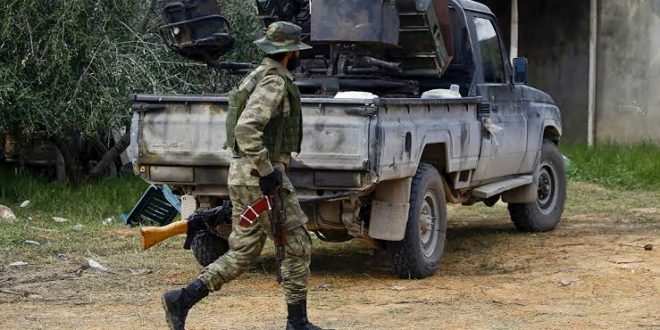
x: 297, y: 319
x: 177, y: 303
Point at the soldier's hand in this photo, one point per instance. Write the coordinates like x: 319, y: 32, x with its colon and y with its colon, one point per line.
x: 195, y: 224
x: 269, y: 182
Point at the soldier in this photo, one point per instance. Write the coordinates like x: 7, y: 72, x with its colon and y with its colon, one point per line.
x: 262, y: 137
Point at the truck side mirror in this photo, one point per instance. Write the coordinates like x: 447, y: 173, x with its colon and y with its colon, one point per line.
x: 520, y: 70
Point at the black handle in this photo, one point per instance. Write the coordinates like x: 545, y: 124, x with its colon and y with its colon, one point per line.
x: 147, y: 107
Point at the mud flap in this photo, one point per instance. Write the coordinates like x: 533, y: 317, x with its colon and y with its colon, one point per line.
x: 521, y: 195
x: 388, y: 220
x: 389, y: 211
x: 527, y: 193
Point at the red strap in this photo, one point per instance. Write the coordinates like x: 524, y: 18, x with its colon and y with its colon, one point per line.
x: 254, y: 210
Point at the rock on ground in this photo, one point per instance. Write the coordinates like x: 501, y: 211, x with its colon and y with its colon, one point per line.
x: 6, y: 214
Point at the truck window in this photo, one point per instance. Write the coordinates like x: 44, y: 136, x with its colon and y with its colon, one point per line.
x: 461, y: 69
x: 460, y: 38
x: 491, y: 52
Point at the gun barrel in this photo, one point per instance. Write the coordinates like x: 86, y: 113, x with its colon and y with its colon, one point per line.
x: 151, y: 236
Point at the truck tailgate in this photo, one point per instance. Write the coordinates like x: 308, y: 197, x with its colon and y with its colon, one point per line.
x: 178, y: 130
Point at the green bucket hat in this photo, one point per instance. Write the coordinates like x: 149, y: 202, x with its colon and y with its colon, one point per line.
x: 282, y: 37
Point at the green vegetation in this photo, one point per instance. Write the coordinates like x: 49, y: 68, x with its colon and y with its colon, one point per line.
x: 617, y: 166
x: 68, y: 66
x: 87, y: 205
x: 99, y: 200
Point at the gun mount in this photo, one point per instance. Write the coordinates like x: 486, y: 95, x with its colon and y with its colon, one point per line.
x: 383, y: 46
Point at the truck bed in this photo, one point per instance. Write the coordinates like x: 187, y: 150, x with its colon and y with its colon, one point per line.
x: 348, y: 144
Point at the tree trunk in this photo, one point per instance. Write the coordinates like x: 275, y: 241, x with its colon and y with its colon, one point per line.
x: 110, y: 156
x: 70, y: 150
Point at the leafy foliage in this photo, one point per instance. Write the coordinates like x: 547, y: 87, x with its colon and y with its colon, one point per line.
x: 68, y: 65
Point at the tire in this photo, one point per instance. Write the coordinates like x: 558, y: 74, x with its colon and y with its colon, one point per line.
x: 544, y: 214
x: 418, y: 255
x: 207, y: 247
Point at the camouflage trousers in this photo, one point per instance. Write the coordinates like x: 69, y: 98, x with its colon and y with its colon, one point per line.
x: 245, y: 245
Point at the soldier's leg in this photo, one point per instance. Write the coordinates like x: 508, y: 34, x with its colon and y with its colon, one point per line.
x: 298, y: 250
x: 245, y: 244
x: 295, y: 268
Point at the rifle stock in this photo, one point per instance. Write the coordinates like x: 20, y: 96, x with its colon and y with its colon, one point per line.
x: 153, y: 235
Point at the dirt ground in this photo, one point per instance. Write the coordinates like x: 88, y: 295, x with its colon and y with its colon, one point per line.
x: 592, y: 272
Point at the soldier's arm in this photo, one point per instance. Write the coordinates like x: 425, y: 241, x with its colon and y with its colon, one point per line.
x: 260, y: 108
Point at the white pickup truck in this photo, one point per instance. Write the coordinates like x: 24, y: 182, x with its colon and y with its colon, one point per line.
x: 384, y: 168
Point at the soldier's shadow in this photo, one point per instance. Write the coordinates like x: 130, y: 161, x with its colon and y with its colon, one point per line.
x: 336, y: 259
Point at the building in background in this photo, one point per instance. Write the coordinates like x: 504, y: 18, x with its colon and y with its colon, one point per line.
x: 599, y: 59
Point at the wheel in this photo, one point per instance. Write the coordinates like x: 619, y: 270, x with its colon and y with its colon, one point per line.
x: 545, y: 213
x: 207, y: 247
x: 418, y: 254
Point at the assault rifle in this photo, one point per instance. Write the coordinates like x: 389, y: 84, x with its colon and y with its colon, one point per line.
x: 210, y: 219
x: 198, y: 221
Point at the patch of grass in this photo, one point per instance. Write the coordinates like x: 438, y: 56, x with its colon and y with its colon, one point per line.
x: 87, y: 205
x: 90, y: 201
x: 631, y: 167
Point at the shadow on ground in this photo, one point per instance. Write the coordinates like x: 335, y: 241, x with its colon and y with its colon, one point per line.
x: 480, y: 241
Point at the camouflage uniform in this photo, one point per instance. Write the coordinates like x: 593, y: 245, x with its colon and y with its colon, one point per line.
x: 267, y: 101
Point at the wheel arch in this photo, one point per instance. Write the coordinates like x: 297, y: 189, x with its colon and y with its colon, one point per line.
x: 551, y: 132
x: 437, y: 155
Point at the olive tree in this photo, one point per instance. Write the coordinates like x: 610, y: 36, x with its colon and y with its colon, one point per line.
x: 67, y: 66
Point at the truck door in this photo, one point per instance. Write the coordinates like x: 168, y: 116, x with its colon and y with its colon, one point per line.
x: 504, y: 122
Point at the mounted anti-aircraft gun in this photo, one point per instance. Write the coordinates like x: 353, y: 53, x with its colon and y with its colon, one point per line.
x: 382, y: 46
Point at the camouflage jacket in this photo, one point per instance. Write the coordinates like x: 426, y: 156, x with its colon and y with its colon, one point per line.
x: 268, y: 100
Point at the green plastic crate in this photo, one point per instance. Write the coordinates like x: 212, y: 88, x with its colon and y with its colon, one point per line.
x: 157, y: 206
